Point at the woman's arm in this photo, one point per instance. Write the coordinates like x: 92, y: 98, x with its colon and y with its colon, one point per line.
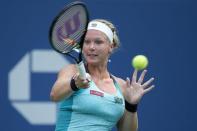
x: 61, y: 88
x: 133, y: 90
x: 128, y: 122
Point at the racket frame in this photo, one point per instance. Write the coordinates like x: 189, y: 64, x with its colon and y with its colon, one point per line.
x: 77, y: 46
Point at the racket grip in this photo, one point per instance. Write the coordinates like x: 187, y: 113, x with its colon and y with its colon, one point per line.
x: 82, y: 70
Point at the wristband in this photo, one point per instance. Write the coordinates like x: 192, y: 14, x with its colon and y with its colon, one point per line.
x: 131, y: 107
x: 73, y: 85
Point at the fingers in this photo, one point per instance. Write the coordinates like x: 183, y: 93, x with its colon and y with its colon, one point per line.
x: 142, y: 77
x: 148, y: 89
x: 134, y: 77
x: 140, y: 80
x: 80, y: 82
x: 147, y: 83
x: 128, y: 82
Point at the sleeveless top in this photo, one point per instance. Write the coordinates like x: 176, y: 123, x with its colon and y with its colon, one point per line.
x: 90, y: 109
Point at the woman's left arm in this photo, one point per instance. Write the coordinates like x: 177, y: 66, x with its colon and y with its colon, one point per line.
x: 133, y: 90
x: 128, y: 122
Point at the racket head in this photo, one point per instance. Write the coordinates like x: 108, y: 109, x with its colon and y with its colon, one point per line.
x: 69, y: 27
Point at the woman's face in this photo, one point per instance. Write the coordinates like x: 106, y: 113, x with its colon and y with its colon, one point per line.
x: 96, y: 48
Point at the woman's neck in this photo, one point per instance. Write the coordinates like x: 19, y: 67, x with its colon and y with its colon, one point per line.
x: 98, y: 72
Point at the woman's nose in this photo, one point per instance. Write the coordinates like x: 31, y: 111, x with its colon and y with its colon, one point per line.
x: 92, y: 46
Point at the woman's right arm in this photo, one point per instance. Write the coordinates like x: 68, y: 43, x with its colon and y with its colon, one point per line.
x: 61, y: 88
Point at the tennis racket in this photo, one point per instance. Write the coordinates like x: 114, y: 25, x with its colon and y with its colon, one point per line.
x: 68, y: 30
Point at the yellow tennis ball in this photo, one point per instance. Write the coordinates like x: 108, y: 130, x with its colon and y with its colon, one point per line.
x: 140, y: 62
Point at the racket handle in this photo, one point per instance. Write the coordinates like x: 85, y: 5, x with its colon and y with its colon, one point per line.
x: 82, y: 70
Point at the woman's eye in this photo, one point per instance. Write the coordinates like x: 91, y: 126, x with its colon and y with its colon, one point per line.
x: 86, y: 41
x: 98, y: 41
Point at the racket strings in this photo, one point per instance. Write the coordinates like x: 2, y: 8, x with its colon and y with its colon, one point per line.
x: 66, y: 46
x: 68, y: 43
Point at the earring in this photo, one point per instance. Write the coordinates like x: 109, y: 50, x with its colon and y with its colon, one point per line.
x: 109, y: 60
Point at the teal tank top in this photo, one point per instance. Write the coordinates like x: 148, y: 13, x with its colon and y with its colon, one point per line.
x: 90, y: 109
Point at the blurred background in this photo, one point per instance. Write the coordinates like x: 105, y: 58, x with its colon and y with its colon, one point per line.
x: 163, y: 30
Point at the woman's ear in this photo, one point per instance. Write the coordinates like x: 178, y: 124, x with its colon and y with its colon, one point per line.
x: 111, y: 48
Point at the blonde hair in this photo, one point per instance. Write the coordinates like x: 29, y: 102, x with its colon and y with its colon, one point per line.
x: 116, y: 40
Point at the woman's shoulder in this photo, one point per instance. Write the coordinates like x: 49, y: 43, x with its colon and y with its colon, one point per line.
x: 121, y: 82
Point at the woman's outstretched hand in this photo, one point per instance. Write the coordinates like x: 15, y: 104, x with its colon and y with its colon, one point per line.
x: 136, y: 88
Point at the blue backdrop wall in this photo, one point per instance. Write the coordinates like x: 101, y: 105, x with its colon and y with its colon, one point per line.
x: 163, y: 30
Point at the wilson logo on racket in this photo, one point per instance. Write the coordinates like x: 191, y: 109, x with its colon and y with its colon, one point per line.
x: 69, y: 28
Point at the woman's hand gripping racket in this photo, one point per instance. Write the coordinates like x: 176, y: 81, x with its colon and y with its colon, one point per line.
x: 68, y: 30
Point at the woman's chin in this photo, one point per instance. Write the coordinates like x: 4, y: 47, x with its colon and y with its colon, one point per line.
x: 92, y: 62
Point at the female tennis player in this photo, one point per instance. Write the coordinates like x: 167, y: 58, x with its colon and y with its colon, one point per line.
x: 102, y: 100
